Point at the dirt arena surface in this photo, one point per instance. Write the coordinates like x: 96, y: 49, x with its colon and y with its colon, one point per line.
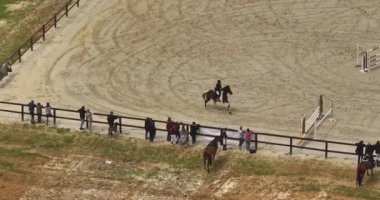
x: 156, y: 58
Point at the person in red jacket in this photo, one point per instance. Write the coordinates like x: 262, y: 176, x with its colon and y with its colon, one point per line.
x: 247, y: 138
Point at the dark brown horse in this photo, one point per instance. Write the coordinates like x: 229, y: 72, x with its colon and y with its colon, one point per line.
x: 207, y: 96
x: 210, y: 152
x: 363, y: 167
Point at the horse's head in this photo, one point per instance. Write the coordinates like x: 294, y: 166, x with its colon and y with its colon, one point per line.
x: 218, y: 139
x: 227, y: 89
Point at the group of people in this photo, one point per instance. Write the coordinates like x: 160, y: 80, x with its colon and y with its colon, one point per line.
x: 37, y: 109
x: 178, y: 133
x: 85, y: 115
x: 368, y: 151
x: 245, y: 137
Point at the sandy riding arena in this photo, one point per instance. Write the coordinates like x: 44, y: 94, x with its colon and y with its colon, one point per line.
x: 156, y: 58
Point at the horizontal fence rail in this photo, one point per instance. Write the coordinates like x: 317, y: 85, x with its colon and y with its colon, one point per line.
x: 259, y: 138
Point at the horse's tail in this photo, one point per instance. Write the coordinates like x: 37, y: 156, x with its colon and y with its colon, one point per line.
x: 204, y: 96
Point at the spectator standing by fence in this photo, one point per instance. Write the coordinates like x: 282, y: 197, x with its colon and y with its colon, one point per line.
x: 183, y: 135
x: 177, y: 126
x: 193, y: 132
x: 89, y: 119
x: 377, y: 151
x: 47, y: 112
x: 31, y: 107
x: 369, y: 149
x: 111, y: 119
x: 223, y: 135
x: 169, y: 127
x: 147, y: 127
x: 241, y: 136
x: 82, y: 115
x: 360, y: 150
x: 39, y: 112
x: 247, y: 138
x: 152, y: 130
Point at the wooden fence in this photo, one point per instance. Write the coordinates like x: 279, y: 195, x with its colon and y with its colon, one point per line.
x: 259, y: 138
x: 41, y: 33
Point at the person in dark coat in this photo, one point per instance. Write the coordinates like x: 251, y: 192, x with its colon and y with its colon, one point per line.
x: 193, y: 132
x: 31, y: 107
x: 111, y: 119
x: 218, y: 89
x: 147, y: 127
x: 377, y: 151
x: 169, y: 128
x: 82, y: 116
x: 152, y: 130
x: 223, y: 135
x: 369, y: 149
x: 360, y: 150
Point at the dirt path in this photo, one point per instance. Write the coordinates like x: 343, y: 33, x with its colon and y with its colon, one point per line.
x: 155, y: 58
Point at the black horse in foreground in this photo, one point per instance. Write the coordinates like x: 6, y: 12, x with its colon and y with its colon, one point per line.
x: 363, y: 167
x: 207, y: 96
x: 210, y: 152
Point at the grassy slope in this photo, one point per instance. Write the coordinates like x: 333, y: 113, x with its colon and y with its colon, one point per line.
x: 24, y: 149
x: 21, y: 24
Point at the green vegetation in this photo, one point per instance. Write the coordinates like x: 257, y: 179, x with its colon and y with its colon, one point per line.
x: 18, y: 25
x: 363, y: 192
x: 133, y: 161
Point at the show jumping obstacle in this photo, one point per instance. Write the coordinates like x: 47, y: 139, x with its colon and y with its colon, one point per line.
x: 367, y: 58
x: 315, y: 119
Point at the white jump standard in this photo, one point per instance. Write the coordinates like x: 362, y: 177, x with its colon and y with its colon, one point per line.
x: 367, y: 58
x: 315, y: 119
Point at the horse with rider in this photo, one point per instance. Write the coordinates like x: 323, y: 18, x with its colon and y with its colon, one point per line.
x: 216, y: 93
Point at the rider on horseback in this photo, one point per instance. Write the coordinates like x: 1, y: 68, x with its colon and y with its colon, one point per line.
x: 218, y: 89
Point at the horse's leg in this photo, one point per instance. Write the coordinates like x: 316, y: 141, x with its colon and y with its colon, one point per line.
x: 358, y: 181
x: 204, y: 160
x: 209, y: 162
x: 228, y: 108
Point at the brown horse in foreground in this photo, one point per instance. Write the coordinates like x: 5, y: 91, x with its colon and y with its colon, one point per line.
x: 364, y: 166
x: 207, y: 96
x: 210, y: 152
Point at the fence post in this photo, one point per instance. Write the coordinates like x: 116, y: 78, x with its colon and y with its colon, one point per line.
x: 77, y: 3
x: 19, y: 55
x: 67, y: 9
x: 303, y: 124
x: 43, y: 32
x: 54, y: 117
x: 55, y: 20
x: 22, y: 112
x: 326, y: 149
x: 86, y: 123
x: 291, y: 145
x: 120, y: 125
x: 256, y: 147
x: 31, y: 43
